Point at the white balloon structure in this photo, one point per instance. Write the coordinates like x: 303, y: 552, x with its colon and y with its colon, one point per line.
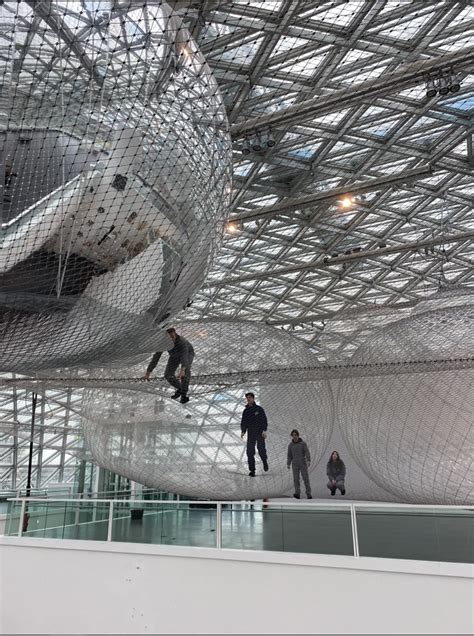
x: 197, y: 450
x: 121, y: 181
x: 413, y: 433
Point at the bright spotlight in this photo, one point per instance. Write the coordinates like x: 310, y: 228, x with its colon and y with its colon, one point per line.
x: 231, y: 228
x: 346, y: 202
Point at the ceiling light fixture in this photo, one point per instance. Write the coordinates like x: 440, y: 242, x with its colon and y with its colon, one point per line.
x: 258, y: 142
x: 431, y: 87
x: 442, y: 84
x: 246, y: 148
x: 346, y: 202
x: 454, y: 81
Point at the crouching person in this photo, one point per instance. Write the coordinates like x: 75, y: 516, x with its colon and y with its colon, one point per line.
x: 336, y: 472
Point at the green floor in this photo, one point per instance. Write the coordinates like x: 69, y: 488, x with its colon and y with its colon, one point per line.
x: 423, y: 536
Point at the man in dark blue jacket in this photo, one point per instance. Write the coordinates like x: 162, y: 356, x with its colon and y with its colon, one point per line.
x: 254, y: 423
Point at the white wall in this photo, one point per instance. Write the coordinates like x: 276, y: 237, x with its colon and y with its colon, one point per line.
x: 94, y: 588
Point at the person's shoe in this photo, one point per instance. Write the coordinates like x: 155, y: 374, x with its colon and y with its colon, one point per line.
x: 184, y: 399
x: 333, y: 492
x: 252, y: 473
x: 343, y: 491
x: 296, y: 496
x: 310, y: 496
x: 176, y: 395
x: 265, y: 466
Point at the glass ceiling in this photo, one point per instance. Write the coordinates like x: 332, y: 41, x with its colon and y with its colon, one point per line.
x: 268, y: 56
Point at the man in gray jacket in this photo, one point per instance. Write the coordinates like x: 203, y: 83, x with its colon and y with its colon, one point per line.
x: 182, y: 353
x: 300, y: 459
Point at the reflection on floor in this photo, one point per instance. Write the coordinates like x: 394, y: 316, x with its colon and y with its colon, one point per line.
x: 404, y: 534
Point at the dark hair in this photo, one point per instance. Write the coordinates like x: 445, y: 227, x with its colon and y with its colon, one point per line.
x: 250, y: 394
x: 171, y: 330
x: 295, y: 431
x: 338, y: 460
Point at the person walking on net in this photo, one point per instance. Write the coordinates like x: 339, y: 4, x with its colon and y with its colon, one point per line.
x: 254, y: 423
x: 299, y: 458
x: 182, y: 353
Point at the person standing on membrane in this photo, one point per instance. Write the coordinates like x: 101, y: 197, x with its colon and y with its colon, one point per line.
x: 254, y: 423
x: 300, y: 458
x: 336, y: 472
x: 182, y: 353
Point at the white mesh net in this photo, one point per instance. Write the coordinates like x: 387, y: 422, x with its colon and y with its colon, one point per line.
x: 413, y: 433
x: 197, y: 450
x: 117, y: 165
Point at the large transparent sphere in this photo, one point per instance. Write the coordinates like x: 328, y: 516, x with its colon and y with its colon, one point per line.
x: 197, y: 450
x: 413, y: 433
x: 117, y: 187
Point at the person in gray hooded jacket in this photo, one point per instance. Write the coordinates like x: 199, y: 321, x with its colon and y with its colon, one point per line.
x: 300, y: 458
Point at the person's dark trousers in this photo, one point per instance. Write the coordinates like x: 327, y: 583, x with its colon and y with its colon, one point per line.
x: 181, y: 386
x: 252, y: 439
x: 303, y: 469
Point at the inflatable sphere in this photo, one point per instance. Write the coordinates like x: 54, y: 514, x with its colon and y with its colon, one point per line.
x: 116, y: 188
x: 413, y: 433
x: 196, y: 450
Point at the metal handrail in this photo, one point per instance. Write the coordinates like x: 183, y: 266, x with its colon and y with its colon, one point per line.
x: 352, y: 507
x: 298, y: 504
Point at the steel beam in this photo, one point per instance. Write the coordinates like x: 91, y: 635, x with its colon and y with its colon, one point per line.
x: 45, y: 9
x: 325, y: 262
x: 345, y: 314
x: 308, y: 200
x: 410, y: 75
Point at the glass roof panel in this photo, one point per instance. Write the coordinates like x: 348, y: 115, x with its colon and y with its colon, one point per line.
x: 341, y: 15
x: 243, y: 54
x: 267, y: 5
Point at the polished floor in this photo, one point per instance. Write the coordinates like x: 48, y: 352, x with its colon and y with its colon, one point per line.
x: 421, y: 534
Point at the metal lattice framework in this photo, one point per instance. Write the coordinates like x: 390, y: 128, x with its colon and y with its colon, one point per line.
x: 57, y: 440
x: 362, y: 207
x: 341, y: 86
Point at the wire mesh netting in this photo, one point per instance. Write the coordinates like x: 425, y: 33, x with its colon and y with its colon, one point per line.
x: 116, y: 156
x: 197, y: 450
x: 413, y: 433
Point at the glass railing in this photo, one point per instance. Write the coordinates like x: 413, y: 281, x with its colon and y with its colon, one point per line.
x: 428, y: 533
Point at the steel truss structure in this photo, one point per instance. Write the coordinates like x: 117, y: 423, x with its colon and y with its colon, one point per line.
x: 57, y: 441
x: 341, y: 87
